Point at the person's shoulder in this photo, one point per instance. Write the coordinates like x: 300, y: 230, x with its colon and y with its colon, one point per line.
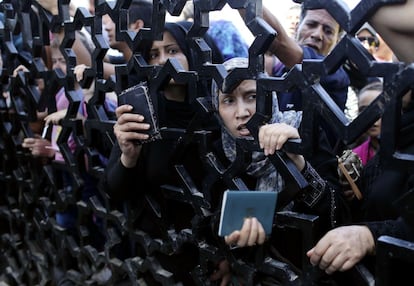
x: 310, y: 53
x: 363, y: 146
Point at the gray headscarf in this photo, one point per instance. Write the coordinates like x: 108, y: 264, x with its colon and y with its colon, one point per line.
x: 268, y: 178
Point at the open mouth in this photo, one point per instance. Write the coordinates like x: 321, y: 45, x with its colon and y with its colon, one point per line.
x: 316, y: 48
x: 243, y: 131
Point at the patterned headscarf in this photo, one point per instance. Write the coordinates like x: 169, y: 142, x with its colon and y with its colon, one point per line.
x: 268, y: 178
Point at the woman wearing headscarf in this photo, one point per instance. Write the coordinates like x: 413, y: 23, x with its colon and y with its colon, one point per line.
x: 137, y: 173
x: 234, y: 110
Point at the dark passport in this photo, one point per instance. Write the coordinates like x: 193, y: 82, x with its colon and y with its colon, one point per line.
x: 139, y: 97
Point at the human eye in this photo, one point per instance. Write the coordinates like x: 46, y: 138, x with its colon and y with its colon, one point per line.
x: 251, y: 97
x: 153, y: 55
x: 227, y: 100
x: 311, y: 24
x: 173, y: 50
x: 329, y: 31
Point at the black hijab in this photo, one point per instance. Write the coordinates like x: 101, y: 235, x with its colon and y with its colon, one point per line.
x: 176, y: 114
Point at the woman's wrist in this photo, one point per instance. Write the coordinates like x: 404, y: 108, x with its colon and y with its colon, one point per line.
x: 128, y: 161
x: 298, y: 160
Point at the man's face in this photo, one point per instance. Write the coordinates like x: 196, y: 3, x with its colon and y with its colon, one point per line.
x: 292, y: 19
x: 368, y: 40
x: 319, y: 31
x: 91, y: 7
x: 109, y: 27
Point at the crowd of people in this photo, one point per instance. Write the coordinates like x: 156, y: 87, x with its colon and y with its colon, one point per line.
x: 139, y: 169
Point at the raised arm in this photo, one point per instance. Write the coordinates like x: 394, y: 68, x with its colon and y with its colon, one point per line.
x: 395, y: 24
x: 283, y: 47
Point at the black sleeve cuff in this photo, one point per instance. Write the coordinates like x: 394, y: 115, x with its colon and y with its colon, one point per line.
x: 316, y: 189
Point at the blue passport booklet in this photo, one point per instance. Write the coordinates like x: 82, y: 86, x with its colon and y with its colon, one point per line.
x: 240, y: 204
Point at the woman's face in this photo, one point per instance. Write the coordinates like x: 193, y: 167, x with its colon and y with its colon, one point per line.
x: 58, y: 61
x: 161, y: 51
x: 236, y: 108
x: 365, y: 99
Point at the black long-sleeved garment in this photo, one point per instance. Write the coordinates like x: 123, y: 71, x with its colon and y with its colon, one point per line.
x: 141, y: 186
